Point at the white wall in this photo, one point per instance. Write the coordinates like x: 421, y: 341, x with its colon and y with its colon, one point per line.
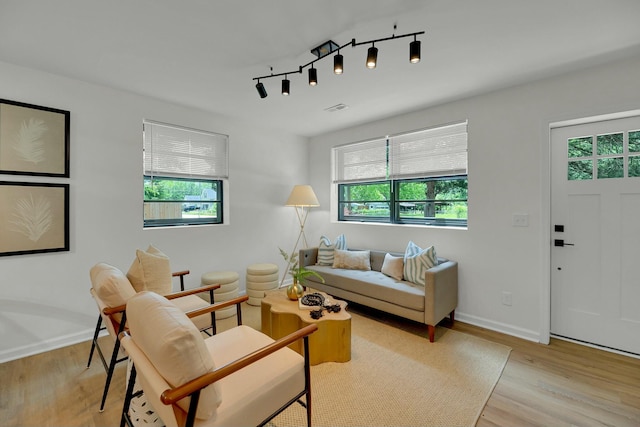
x: 44, y: 298
x: 508, y: 174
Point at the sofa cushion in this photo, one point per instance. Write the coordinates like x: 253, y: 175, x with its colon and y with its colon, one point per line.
x: 326, y: 249
x: 352, y: 260
x: 150, y: 271
x: 417, y: 261
x: 173, y: 345
x: 393, y: 266
x: 372, y: 284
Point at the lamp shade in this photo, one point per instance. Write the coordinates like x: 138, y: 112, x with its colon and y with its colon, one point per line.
x: 302, y: 195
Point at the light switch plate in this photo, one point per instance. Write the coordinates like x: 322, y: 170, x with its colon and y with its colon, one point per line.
x: 520, y: 220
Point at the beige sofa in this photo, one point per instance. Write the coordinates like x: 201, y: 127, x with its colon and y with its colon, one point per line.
x: 429, y: 304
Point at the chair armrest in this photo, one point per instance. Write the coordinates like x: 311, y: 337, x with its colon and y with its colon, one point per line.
x: 171, y: 396
x: 193, y: 291
x: 181, y: 274
x: 217, y: 306
x: 441, y: 291
x: 308, y: 256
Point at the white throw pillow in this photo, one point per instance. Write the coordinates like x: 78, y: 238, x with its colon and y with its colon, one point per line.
x: 326, y: 249
x: 417, y: 261
x: 151, y: 271
x: 352, y: 260
x: 173, y: 344
x: 393, y: 266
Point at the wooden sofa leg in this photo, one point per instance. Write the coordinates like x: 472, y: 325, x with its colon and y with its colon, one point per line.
x: 432, y: 332
x: 452, y: 316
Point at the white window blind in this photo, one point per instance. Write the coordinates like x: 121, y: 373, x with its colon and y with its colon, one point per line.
x: 173, y: 151
x: 440, y: 151
x: 362, y: 161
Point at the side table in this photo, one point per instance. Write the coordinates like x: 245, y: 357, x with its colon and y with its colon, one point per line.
x: 330, y: 343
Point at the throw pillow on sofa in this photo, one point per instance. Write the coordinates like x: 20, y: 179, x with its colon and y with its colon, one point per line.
x: 417, y: 261
x: 352, y: 260
x: 393, y: 266
x: 326, y: 249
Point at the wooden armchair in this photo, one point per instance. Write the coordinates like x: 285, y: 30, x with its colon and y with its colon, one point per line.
x: 236, y: 377
x: 111, y: 289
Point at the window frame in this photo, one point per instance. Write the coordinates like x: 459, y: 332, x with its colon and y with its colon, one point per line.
x: 190, y: 155
x: 351, y: 169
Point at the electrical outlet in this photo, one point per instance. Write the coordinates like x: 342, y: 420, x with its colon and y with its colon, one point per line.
x: 520, y: 220
x: 506, y: 298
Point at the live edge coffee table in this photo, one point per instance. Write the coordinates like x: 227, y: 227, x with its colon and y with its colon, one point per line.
x: 330, y: 343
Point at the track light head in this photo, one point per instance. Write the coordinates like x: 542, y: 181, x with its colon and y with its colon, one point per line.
x: 372, y: 57
x: 285, y: 86
x: 261, y: 90
x: 313, y: 76
x: 414, y: 51
x: 338, y: 63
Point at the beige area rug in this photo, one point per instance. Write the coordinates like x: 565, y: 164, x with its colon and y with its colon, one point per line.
x: 396, y: 378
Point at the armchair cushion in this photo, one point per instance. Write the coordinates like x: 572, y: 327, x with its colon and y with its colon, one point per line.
x: 173, y: 344
x: 111, y: 285
x: 151, y: 271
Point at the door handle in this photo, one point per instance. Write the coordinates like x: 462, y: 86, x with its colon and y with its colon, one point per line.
x: 561, y: 243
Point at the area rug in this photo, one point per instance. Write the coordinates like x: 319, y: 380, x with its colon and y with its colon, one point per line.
x: 397, y: 378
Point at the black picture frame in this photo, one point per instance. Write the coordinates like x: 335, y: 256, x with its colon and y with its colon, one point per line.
x: 34, y: 218
x: 34, y: 140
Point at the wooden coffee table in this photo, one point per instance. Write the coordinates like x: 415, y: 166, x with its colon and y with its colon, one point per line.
x: 330, y: 343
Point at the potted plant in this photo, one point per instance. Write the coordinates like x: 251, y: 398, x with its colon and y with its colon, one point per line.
x: 298, y: 273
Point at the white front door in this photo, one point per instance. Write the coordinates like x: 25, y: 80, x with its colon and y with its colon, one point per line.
x: 595, y: 233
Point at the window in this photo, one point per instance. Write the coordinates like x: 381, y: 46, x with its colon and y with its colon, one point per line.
x: 413, y: 178
x: 604, y: 156
x: 184, y: 171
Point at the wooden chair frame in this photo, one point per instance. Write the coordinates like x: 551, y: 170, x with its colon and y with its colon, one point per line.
x: 109, y: 313
x: 193, y: 387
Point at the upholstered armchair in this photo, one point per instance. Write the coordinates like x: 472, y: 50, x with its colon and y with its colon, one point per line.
x: 238, y: 377
x: 111, y: 289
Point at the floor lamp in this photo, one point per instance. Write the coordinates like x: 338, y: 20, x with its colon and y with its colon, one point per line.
x: 301, y: 198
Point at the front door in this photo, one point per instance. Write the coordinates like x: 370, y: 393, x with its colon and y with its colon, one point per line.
x: 595, y: 233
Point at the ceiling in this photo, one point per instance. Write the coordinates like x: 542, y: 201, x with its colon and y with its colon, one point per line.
x: 205, y: 53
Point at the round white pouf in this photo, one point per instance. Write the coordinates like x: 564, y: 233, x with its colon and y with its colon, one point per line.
x: 229, y: 289
x: 260, y: 278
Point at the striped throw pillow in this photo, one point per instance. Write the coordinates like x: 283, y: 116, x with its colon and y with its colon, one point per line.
x: 417, y: 261
x: 326, y: 248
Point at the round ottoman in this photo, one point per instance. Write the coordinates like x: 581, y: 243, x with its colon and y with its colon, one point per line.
x: 260, y: 278
x: 229, y: 289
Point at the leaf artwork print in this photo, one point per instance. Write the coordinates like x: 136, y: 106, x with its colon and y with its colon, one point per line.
x: 28, y: 141
x: 33, y: 217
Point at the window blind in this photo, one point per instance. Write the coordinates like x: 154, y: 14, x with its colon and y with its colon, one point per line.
x: 361, y: 161
x: 440, y: 151
x: 173, y: 151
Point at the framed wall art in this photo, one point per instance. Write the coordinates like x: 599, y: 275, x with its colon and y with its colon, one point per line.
x: 34, y: 218
x: 34, y: 140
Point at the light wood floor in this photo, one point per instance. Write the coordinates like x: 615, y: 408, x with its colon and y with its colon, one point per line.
x: 562, y: 384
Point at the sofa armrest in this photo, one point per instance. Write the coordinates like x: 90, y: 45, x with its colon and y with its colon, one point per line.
x: 308, y: 256
x: 441, y: 292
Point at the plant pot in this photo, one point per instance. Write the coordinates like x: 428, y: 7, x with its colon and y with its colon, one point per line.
x: 295, y: 290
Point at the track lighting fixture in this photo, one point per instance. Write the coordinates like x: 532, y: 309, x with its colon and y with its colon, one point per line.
x: 313, y: 76
x: 331, y: 48
x: 337, y: 63
x: 414, y: 51
x: 261, y: 90
x: 372, y: 56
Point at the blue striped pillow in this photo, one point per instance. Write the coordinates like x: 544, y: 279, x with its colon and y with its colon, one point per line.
x: 326, y: 248
x: 417, y: 261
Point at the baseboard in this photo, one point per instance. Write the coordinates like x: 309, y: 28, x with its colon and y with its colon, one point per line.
x: 504, y: 328
x: 47, y: 345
